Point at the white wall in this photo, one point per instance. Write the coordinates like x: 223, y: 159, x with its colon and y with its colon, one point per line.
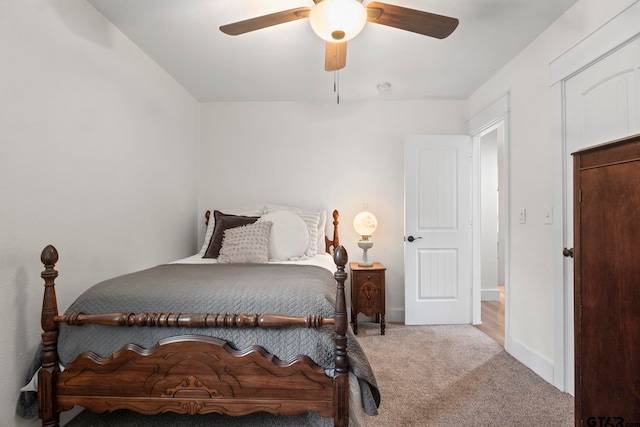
x: 98, y: 155
x: 322, y: 155
x: 526, y: 78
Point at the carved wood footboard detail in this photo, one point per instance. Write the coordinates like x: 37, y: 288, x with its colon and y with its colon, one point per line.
x: 195, y: 375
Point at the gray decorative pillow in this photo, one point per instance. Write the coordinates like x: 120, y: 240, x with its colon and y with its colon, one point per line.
x: 246, y: 244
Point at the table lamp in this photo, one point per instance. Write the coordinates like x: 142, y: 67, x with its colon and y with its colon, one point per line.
x: 365, y: 224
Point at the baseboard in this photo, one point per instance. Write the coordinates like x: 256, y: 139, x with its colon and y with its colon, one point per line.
x: 490, y: 294
x: 532, y: 360
x: 395, y: 315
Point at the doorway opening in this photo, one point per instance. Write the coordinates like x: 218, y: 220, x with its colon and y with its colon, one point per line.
x: 492, y: 230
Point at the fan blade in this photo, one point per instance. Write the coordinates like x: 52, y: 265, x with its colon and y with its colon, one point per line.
x: 416, y: 21
x: 335, y: 56
x: 265, y: 21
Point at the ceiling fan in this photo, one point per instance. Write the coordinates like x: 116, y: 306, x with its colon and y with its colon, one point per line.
x: 338, y: 21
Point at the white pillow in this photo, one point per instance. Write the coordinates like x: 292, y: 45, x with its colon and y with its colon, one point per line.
x: 246, y: 244
x: 255, y: 210
x: 289, y: 237
x: 312, y: 220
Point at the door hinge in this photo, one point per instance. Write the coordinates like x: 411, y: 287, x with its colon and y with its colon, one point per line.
x: 580, y: 196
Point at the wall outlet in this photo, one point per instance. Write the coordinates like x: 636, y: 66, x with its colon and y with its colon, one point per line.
x: 523, y: 216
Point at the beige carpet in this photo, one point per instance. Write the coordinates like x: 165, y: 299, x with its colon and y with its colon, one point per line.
x: 456, y: 376
x: 428, y: 376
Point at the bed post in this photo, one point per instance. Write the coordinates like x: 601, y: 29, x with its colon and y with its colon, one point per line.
x: 341, y: 379
x: 47, y: 409
x: 335, y: 242
x: 336, y: 235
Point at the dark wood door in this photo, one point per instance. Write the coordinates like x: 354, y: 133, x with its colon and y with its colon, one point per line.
x: 607, y: 285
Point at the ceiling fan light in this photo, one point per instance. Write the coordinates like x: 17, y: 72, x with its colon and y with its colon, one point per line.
x: 338, y: 20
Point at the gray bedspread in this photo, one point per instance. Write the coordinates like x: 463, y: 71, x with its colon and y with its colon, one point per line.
x: 291, y: 290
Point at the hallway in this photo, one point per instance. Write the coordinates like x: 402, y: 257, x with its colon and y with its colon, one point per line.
x: 493, y: 318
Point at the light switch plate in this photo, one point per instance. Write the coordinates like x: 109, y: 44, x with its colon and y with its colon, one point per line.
x: 548, y: 214
x: 523, y: 216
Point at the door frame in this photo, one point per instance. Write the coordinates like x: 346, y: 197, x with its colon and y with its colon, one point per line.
x: 613, y: 35
x: 485, y: 121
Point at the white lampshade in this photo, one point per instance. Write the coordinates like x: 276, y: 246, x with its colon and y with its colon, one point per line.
x: 338, y: 20
x: 365, y: 224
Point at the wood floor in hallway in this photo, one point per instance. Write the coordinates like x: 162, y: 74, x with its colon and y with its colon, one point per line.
x: 493, y: 318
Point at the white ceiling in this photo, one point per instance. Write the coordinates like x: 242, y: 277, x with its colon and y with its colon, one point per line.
x: 286, y: 62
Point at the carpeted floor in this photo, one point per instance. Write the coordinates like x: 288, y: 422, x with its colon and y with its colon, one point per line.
x: 457, y: 376
x: 428, y: 376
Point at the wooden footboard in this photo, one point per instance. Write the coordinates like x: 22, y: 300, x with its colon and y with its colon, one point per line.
x: 192, y: 374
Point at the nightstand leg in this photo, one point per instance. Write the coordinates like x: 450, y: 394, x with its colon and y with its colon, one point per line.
x: 382, y: 324
x: 354, y: 322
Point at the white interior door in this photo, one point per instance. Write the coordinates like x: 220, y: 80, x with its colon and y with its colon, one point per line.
x: 602, y: 104
x: 438, y: 234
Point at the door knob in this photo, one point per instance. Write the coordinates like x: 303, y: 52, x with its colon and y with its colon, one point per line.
x: 411, y: 238
x: 567, y: 252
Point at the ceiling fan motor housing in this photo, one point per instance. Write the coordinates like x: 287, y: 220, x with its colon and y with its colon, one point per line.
x: 338, y: 20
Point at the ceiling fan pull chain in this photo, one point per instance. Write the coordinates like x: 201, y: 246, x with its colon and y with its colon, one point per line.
x: 336, y: 85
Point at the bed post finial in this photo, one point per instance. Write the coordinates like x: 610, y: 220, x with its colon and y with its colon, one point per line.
x: 50, y: 365
x: 49, y: 256
x: 341, y: 380
x: 341, y: 258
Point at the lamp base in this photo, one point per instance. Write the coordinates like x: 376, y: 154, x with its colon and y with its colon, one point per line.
x: 365, y: 245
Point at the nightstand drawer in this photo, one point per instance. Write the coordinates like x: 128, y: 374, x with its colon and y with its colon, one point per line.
x: 362, y: 277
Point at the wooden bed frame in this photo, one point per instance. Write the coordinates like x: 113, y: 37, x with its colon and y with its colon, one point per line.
x: 193, y: 374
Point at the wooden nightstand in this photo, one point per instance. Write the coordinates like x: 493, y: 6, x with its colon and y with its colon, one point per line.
x: 367, y: 293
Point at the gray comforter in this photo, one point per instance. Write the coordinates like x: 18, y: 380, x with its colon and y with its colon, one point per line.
x: 291, y: 290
